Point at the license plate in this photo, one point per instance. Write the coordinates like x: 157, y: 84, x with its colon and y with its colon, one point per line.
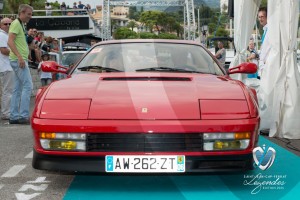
x: 145, y: 164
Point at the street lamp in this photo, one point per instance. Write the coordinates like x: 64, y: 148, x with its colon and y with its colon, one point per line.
x: 204, y: 30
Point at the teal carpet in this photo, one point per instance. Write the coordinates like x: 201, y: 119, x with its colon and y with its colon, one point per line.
x: 286, y: 167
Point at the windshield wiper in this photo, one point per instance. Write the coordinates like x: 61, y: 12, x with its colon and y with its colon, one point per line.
x: 169, y: 69
x: 107, y: 69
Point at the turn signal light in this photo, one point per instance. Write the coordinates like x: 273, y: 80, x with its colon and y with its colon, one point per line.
x: 245, y: 135
x: 44, y: 135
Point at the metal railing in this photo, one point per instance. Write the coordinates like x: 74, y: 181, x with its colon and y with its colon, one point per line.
x: 58, y: 12
x: 14, y: 16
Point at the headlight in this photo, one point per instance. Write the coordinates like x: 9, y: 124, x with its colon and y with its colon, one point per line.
x: 225, y: 141
x: 63, y: 141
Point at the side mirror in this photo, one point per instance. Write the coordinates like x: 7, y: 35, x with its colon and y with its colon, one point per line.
x: 244, y: 68
x: 51, y: 66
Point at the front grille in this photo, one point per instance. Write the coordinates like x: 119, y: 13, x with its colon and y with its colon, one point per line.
x: 104, y: 142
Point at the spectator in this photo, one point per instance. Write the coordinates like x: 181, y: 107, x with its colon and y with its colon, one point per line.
x: 74, y: 8
x: 93, y: 42
x: 263, y: 56
x: 80, y: 6
x: 265, y: 44
x: 46, y: 77
x: 20, y: 100
x: 55, y: 46
x: 221, y: 53
x: 252, y: 55
x: 30, y: 32
x: 63, y: 8
x: 88, y: 8
x: 49, y: 41
x: 35, y: 32
x: 48, y: 8
x: 39, y: 37
x: 6, y: 72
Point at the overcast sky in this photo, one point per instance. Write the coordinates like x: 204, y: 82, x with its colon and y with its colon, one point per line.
x: 93, y: 3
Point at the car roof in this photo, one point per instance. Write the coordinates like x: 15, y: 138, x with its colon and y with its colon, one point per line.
x: 150, y: 41
x: 66, y: 52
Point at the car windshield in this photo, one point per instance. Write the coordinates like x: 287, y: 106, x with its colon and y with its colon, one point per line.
x: 69, y: 58
x: 148, y: 57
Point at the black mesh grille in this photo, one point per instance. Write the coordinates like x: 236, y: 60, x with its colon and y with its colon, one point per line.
x: 142, y: 142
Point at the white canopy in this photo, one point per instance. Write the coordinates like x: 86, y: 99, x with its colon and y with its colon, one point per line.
x: 245, y: 13
x: 280, y: 82
x: 271, y: 70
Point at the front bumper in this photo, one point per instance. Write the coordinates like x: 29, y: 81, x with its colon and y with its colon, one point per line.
x: 222, y: 163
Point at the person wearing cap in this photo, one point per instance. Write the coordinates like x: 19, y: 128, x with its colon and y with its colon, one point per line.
x: 6, y: 72
x: 46, y: 77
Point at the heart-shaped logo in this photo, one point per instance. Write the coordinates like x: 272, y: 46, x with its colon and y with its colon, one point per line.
x: 263, y: 157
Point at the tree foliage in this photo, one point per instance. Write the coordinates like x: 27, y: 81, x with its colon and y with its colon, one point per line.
x: 151, y: 18
x: 167, y: 36
x: 132, y: 25
x: 147, y: 35
x: 264, y: 3
x: 124, y: 33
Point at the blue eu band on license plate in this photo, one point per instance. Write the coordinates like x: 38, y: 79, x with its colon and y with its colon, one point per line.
x: 145, y: 164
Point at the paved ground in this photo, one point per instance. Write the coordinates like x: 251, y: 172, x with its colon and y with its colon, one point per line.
x: 18, y: 180
x: 290, y: 145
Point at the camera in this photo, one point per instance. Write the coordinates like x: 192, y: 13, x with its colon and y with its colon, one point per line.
x: 41, y: 45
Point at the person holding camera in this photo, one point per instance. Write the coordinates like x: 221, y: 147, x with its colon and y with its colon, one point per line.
x: 252, y: 55
x: 20, y: 100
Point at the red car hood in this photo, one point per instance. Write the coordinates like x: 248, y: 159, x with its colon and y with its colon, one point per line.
x: 148, y: 96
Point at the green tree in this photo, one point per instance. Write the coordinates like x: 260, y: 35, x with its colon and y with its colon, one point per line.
x: 124, y: 33
x: 167, y: 36
x: 147, y: 35
x: 179, y: 29
x: 13, y: 5
x: 133, y: 13
x: 151, y: 18
x: 264, y: 3
x: 222, y: 32
x: 132, y: 25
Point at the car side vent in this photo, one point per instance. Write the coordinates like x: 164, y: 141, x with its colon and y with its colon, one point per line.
x: 146, y: 79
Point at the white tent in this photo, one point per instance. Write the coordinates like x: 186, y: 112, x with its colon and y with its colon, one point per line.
x: 245, y: 13
x: 281, y: 85
x: 272, y: 66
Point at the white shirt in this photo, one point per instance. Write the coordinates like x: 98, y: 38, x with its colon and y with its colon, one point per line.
x: 48, y: 10
x: 44, y: 74
x: 4, y: 60
x: 264, y: 50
